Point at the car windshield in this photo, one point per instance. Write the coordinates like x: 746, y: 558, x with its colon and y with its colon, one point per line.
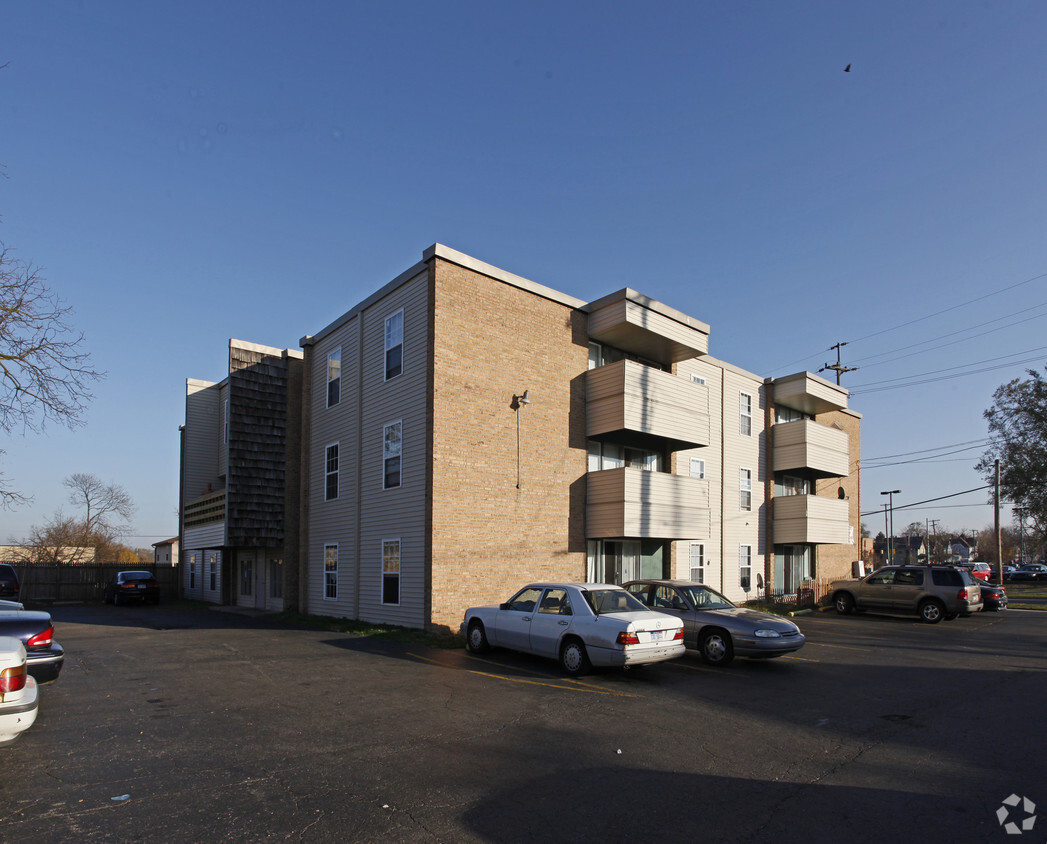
x: 603, y: 601
x: 704, y: 598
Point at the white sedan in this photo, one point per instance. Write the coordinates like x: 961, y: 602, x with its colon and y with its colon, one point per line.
x: 19, y: 695
x: 578, y: 624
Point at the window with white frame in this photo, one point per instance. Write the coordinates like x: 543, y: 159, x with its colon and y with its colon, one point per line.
x: 246, y: 577
x: 331, y: 473
x: 330, y: 572
x: 212, y: 570
x: 745, y: 414
x: 334, y: 377
x: 745, y: 489
x: 192, y: 571
x: 391, y: 571
x: 276, y: 578
x: 697, y: 379
x: 391, y: 453
x: 697, y: 560
x: 745, y: 566
x: 394, y: 345
x: 697, y: 467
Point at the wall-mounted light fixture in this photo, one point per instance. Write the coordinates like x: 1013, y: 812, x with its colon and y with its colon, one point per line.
x: 519, y: 402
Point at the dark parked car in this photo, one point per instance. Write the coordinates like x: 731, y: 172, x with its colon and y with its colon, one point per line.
x: 8, y: 582
x: 993, y: 597
x: 44, y: 656
x: 130, y: 586
x: 1032, y: 571
x: 715, y: 627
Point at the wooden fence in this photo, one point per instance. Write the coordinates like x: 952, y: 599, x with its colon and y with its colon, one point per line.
x: 53, y: 583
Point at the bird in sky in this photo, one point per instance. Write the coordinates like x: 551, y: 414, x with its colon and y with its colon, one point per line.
x: 847, y: 69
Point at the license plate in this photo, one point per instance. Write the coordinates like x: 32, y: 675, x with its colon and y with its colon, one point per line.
x: 140, y: 586
x: 656, y: 635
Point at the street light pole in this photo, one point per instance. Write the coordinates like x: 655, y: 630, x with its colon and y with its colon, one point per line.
x: 890, y: 537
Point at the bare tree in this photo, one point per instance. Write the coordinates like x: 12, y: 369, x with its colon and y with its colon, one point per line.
x: 64, y: 539
x: 44, y: 370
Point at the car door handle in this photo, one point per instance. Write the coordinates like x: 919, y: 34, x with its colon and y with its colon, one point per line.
x: 563, y: 623
x: 526, y: 618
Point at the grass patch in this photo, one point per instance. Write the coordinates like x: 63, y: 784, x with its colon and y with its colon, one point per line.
x: 387, y: 632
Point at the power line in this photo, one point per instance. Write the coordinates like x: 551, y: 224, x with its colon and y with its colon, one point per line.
x: 927, y: 501
x: 964, y: 374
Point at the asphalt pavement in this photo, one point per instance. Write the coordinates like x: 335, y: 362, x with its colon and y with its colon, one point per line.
x: 188, y: 725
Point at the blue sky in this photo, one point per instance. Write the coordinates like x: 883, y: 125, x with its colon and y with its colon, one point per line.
x: 189, y: 172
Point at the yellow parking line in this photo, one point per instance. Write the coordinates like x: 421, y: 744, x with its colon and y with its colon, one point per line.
x: 705, y: 669
x: 799, y: 658
x: 574, y: 687
x: 841, y: 647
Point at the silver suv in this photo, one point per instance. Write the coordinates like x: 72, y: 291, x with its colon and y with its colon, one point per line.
x: 932, y: 592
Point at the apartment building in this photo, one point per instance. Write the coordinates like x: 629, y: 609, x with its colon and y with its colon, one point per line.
x: 464, y: 431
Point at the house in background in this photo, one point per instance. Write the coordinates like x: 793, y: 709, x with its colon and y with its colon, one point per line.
x: 962, y: 549
x: 464, y: 431
x: 166, y: 553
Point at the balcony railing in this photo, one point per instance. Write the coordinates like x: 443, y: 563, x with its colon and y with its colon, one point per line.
x: 635, y: 503
x: 205, y: 510
x: 810, y: 519
x: 808, y: 445
x: 627, y: 398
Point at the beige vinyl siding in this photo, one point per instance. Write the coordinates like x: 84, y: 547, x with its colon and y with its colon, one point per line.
x: 334, y: 522
x: 202, y: 434
x: 742, y: 527
x: 364, y: 514
x: 809, y: 393
x: 397, y: 513
x: 630, y: 321
x: 208, y: 536
x: 223, y: 422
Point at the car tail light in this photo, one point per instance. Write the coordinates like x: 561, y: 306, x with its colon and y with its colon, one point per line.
x: 625, y: 638
x: 12, y: 680
x: 43, y: 639
x: 678, y: 635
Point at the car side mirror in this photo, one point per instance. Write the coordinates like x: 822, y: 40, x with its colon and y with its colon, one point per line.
x: 504, y: 606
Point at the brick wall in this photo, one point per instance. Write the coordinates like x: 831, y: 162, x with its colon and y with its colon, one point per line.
x: 492, y: 341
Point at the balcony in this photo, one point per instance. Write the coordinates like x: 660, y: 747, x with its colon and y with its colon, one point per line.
x: 206, y: 510
x: 647, y: 328
x: 808, y: 393
x: 646, y: 505
x: 804, y: 444
x: 810, y: 519
x: 627, y: 401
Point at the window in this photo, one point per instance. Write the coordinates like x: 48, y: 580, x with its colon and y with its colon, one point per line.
x: 610, y: 456
x: 276, y: 578
x: 787, y: 414
x: 246, y: 576
x: 745, y: 489
x: 391, y: 571
x: 697, y: 379
x: 331, y: 473
x: 330, y: 572
x: 697, y: 468
x: 212, y: 570
x: 192, y: 571
x: 745, y: 566
x: 792, y: 485
x: 697, y: 556
x: 334, y: 377
x: 745, y: 415
x: 394, y: 345
x: 391, y: 443
x: 525, y: 600
x: 555, y: 602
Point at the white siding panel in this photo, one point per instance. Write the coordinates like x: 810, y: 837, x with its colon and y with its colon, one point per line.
x: 206, y: 536
x: 201, y: 437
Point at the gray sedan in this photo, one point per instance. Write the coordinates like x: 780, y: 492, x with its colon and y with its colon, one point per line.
x: 714, y: 626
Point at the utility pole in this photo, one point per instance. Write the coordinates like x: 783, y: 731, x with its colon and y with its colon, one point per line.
x: 932, y: 523
x: 838, y: 367
x: 999, y: 535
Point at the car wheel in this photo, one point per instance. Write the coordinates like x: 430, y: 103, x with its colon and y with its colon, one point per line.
x: 932, y: 611
x: 573, y: 658
x: 476, y: 639
x: 716, y: 647
x: 844, y: 603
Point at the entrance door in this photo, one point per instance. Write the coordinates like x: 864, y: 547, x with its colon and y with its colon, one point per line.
x: 247, y: 564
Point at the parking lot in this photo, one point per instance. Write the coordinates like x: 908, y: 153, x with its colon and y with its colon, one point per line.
x: 202, y: 725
